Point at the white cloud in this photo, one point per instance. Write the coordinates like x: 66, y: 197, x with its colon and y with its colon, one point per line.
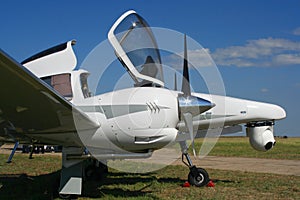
x: 287, y: 59
x: 261, y: 53
x: 197, y: 58
x: 265, y: 52
x: 264, y: 90
x: 296, y: 31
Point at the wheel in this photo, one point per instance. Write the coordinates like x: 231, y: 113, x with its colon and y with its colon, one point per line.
x: 198, y: 177
x: 94, y: 173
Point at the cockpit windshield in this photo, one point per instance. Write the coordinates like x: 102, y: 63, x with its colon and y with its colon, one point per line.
x: 137, y: 49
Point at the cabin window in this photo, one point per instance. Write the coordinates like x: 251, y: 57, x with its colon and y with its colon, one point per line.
x: 61, y: 83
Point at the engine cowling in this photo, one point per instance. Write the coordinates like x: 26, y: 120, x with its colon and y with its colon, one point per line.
x: 261, y: 136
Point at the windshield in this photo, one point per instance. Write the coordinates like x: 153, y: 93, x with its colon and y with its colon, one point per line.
x: 137, y: 41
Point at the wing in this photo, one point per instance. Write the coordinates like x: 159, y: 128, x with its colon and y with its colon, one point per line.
x: 210, y: 132
x: 32, y: 111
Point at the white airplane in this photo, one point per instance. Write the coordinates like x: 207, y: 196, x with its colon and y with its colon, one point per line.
x: 45, y: 100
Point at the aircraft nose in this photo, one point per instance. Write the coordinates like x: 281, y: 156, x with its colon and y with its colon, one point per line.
x: 279, y: 112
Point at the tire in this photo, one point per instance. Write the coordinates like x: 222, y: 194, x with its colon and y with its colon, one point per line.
x: 94, y: 173
x: 198, y: 178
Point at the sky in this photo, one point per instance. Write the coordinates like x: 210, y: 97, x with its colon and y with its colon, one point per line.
x: 255, y: 44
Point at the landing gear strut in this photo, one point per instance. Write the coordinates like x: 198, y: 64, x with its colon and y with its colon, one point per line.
x: 197, y: 176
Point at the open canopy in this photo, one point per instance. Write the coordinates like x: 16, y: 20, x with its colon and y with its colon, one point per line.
x: 137, y: 50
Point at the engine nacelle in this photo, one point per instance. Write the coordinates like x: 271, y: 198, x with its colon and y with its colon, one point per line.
x: 261, y: 136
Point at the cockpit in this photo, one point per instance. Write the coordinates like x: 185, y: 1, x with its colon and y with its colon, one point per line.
x: 137, y: 50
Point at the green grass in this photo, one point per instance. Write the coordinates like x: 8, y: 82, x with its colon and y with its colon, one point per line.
x: 39, y: 178
x: 166, y: 184
x: 23, y: 178
x: 240, y: 147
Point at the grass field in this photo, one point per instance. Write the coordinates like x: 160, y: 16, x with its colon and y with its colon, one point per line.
x: 240, y: 147
x: 38, y: 178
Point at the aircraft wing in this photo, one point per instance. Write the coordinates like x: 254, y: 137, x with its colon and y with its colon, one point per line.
x: 30, y: 110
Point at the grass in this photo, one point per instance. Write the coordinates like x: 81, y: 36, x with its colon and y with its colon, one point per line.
x: 23, y: 178
x: 240, y: 147
x: 39, y: 178
x: 166, y: 184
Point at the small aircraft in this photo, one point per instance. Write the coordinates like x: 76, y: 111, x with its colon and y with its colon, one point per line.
x: 45, y: 100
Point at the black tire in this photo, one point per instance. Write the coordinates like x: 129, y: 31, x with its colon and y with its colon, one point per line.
x: 93, y: 173
x: 198, y: 179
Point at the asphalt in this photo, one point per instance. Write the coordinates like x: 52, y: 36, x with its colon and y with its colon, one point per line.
x: 283, y: 167
x: 257, y: 165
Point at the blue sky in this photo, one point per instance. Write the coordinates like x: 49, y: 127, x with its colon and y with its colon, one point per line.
x: 255, y: 44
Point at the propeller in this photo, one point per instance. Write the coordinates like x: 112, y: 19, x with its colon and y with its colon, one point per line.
x: 190, y: 106
x: 186, y: 87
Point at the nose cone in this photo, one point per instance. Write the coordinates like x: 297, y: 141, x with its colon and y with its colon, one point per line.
x: 265, y: 111
x: 279, y: 112
x: 194, y: 105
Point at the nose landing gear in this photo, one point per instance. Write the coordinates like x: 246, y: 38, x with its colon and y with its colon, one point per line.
x: 197, y: 176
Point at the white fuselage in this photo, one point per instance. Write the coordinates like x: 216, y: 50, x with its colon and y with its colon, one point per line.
x: 143, y: 118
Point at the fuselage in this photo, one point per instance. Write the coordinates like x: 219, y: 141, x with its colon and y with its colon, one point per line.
x: 143, y: 118
x: 137, y: 119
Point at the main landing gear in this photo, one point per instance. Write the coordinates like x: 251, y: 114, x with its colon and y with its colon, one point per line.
x: 197, y: 176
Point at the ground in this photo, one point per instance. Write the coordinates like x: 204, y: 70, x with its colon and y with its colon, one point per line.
x: 274, y: 175
x: 261, y: 165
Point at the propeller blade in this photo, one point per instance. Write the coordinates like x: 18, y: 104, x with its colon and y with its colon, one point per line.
x: 186, y: 88
x: 189, y: 105
x: 188, y: 120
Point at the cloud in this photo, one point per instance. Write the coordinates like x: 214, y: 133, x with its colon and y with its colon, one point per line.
x: 264, y: 52
x: 264, y: 90
x: 197, y: 58
x: 287, y: 59
x: 296, y: 31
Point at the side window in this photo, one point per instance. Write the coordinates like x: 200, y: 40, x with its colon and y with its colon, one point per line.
x: 84, y: 85
x: 61, y: 83
x: 47, y: 80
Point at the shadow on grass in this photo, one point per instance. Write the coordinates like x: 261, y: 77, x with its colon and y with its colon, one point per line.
x: 21, y: 186
x: 124, y: 185
x: 115, y: 184
x: 224, y: 181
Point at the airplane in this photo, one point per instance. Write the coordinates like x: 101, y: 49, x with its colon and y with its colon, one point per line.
x: 45, y: 100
